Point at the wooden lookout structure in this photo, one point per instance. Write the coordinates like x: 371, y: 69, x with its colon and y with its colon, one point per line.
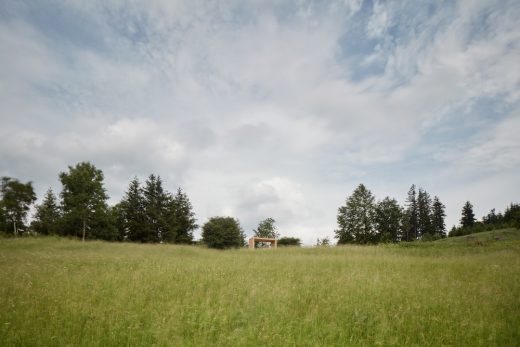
x: 254, y: 239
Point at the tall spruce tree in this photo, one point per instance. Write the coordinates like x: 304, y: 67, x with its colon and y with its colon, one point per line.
x: 133, y: 218
x: 411, y: 232
x: 156, y: 206
x: 468, y: 217
x: 424, y: 218
x: 84, y: 203
x: 388, y: 219
x: 512, y: 215
x: 438, y: 215
x: 356, y: 218
x: 17, y: 198
x: 47, y: 216
x: 181, y: 219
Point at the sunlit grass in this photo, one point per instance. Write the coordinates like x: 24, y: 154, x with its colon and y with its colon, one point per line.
x: 58, y: 292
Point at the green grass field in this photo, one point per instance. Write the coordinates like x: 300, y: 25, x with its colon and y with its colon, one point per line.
x: 457, y: 292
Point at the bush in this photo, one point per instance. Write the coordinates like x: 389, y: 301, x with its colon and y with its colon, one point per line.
x: 289, y: 241
x: 222, y: 232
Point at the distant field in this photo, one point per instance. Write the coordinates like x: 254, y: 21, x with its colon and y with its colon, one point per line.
x: 457, y: 292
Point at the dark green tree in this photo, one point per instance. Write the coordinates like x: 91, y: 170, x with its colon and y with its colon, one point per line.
x: 222, y: 232
x: 388, y: 220
x: 47, y: 216
x: 424, y: 215
x: 411, y: 233
x: 356, y: 218
x: 117, y: 217
x: 17, y: 198
x: 438, y: 215
x: 84, y: 203
x: 156, y: 207
x: 512, y: 215
x: 493, y: 218
x: 181, y: 219
x: 289, y: 241
x: 467, y: 219
x: 132, y: 213
x: 3, y: 223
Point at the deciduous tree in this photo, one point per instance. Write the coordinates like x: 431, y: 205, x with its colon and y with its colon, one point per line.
x: 266, y: 228
x: 222, y: 232
x: 289, y: 241
x: 17, y: 198
x: 388, y: 220
x: 84, y: 203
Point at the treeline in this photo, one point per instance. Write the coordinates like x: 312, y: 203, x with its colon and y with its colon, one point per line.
x: 147, y: 213
x: 363, y: 220
x: 493, y: 220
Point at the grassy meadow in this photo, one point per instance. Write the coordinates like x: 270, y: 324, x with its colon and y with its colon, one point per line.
x: 456, y: 292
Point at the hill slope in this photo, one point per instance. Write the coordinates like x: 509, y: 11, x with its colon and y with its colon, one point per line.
x: 64, y: 292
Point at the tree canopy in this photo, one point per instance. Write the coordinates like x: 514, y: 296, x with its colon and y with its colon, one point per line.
x: 84, y: 203
x: 17, y: 198
x: 222, y: 232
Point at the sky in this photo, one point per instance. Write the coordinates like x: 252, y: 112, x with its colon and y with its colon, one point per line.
x: 267, y: 108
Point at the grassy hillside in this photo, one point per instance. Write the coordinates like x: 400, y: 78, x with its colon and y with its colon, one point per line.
x: 57, y: 292
x: 486, y: 237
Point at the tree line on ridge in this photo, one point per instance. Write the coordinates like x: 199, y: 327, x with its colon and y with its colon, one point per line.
x: 148, y: 213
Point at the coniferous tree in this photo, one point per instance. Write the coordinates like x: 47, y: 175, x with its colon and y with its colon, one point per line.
x: 84, y: 203
x: 117, y: 218
x: 492, y: 217
x: 424, y: 218
x: 411, y: 215
x: 133, y: 213
x: 388, y: 220
x: 47, y: 216
x: 512, y: 215
x: 438, y: 215
x: 181, y: 219
x: 356, y: 218
x: 3, y: 224
x: 156, y: 204
x: 17, y: 198
x: 468, y: 217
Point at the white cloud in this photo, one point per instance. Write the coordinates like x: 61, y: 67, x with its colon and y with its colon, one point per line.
x: 253, y: 108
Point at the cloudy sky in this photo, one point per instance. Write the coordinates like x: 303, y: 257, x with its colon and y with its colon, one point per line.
x: 267, y: 108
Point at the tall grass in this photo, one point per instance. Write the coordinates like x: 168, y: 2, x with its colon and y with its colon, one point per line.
x: 58, y: 292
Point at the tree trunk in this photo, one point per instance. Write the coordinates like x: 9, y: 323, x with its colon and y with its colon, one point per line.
x: 15, y: 229
x: 84, y: 227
